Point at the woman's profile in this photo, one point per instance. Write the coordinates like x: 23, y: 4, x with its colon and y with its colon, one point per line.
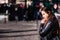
x: 49, y: 25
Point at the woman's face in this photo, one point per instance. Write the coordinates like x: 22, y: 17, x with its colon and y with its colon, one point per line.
x: 44, y: 14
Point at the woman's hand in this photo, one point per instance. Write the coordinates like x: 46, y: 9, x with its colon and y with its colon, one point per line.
x: 43, y: 21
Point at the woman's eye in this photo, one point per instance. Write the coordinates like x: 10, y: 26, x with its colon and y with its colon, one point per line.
x: 43, y: 14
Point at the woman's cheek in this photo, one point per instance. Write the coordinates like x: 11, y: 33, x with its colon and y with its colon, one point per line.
x: 44, y: 16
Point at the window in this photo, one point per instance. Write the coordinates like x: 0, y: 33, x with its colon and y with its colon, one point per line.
x: 3, y: 1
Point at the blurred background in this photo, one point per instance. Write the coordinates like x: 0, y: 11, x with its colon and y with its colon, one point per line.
x: 27, y: 10
x: 20, y: 19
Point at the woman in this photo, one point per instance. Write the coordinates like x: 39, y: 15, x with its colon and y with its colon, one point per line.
x: 49, y: 25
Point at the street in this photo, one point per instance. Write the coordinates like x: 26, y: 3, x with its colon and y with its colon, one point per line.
x: 19, y: 31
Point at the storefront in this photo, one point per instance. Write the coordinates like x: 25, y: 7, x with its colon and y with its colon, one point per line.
x: 3, y: 1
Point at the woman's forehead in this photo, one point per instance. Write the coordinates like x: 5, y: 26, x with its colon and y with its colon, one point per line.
x: 43, y: 12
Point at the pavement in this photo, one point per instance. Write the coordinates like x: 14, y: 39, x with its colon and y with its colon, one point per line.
x: 21, y: 30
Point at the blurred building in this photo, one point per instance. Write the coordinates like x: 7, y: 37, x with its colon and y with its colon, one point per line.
x: 3, y: 1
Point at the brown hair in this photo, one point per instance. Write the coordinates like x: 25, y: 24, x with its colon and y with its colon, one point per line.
x: 48, y: 11
x: 51, y: 15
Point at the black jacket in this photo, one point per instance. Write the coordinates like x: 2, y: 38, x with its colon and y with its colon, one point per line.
x: 49, y: 32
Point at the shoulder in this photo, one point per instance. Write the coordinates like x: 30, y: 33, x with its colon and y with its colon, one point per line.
x: 54, y: 21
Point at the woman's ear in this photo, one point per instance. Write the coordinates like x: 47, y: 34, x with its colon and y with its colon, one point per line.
x: 48, y: 12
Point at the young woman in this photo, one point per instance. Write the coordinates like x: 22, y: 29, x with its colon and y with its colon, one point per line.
x: 49, y: 25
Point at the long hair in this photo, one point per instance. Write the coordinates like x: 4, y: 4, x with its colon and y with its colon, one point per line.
x: 48, y: 11
x: 51, y: 15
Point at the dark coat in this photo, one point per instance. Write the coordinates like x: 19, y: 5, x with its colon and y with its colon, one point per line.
x: 49, y: 32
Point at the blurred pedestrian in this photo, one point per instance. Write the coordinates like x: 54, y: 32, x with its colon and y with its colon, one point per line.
x: 21, y: 12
